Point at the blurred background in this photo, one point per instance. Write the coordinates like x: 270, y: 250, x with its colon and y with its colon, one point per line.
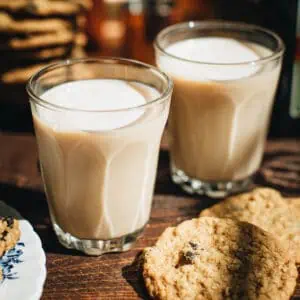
x: 34, y: 33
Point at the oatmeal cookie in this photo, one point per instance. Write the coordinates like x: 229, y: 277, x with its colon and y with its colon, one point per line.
x: 45, y: 7
x: 41, y: 54
x: 39, y: 40
x: 263, y: 207
x: 20, y: 75
x: 10, y: 26
x: 294, y: 204
x: 9, y: 233
x: 218, y: 258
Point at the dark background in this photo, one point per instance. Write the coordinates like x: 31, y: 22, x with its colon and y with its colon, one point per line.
x: 129, y: 28
x: 279, y: 16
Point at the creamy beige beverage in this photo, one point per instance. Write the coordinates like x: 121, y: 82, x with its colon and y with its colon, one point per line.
x: 99, y: 170
x: 219, y: 114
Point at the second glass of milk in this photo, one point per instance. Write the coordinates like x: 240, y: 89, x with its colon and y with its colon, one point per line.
x: 98, y: 124
x: 225, y: 78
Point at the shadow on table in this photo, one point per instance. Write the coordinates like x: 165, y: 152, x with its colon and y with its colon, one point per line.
x: 133, y: 275
x: 281, y: 170
x: 32, y: 206
x: 164, y: 183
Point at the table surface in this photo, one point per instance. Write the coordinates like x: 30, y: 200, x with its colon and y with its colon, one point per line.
x: 72, y: 275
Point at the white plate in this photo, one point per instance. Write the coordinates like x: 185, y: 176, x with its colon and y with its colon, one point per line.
x: 24, y: 268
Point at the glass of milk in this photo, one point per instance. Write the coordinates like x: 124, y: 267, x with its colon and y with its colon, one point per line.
x: 225, y: 78
x: 98, y: 125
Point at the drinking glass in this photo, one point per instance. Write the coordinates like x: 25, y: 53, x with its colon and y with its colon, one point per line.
x: 218, y: 126
x: 99, y: 182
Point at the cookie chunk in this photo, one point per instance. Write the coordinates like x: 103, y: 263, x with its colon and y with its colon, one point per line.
x: 263, y: 207
x: 9, y: 233
x: 218, y: 258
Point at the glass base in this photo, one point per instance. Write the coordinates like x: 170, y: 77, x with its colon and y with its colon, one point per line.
x: 210, y: 189
x: 97, y: 247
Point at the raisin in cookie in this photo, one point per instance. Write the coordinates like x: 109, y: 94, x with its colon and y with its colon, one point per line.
x: 215, y: 258
x: 9, y: 233
x: 263, y: 207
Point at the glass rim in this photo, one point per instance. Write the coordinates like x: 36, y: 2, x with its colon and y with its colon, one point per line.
x: 107, y: 60
x: 190, y: 25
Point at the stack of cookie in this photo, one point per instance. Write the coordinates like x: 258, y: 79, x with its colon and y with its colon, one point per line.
x: 9, y: 235
x: 242, y: 248
x: 34, y: 33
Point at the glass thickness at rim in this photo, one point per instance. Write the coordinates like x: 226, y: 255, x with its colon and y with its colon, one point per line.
x: 101, y: 60
x: 220, y: 26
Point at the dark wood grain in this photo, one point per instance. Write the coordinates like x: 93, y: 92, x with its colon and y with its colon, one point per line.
x: 72, y: 275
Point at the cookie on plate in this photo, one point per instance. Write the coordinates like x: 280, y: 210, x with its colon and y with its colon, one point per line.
x: 9, y: 233
x: 263, y: 207
x: 218, y: 258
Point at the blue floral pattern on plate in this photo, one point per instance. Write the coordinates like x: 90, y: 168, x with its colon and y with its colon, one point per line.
x: 24, y: 268
x: 9, y: 260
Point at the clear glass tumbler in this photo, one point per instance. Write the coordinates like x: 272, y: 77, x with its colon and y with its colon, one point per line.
x: 99, y: 165
x: 220, y: 111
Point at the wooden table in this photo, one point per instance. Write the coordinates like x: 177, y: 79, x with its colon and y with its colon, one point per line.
x: 72, y: 275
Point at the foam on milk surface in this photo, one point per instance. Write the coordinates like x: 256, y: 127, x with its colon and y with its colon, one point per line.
x: 95, y: 95
x: 212, y: 50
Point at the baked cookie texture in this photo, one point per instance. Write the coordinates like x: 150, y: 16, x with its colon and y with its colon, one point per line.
x: 265, y: 208
x: 218, y: 258
x: 9, y: 236
x: 294, y: 204
x: 45, y: 7
x: 9, y: 233
x: 35, y: 33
